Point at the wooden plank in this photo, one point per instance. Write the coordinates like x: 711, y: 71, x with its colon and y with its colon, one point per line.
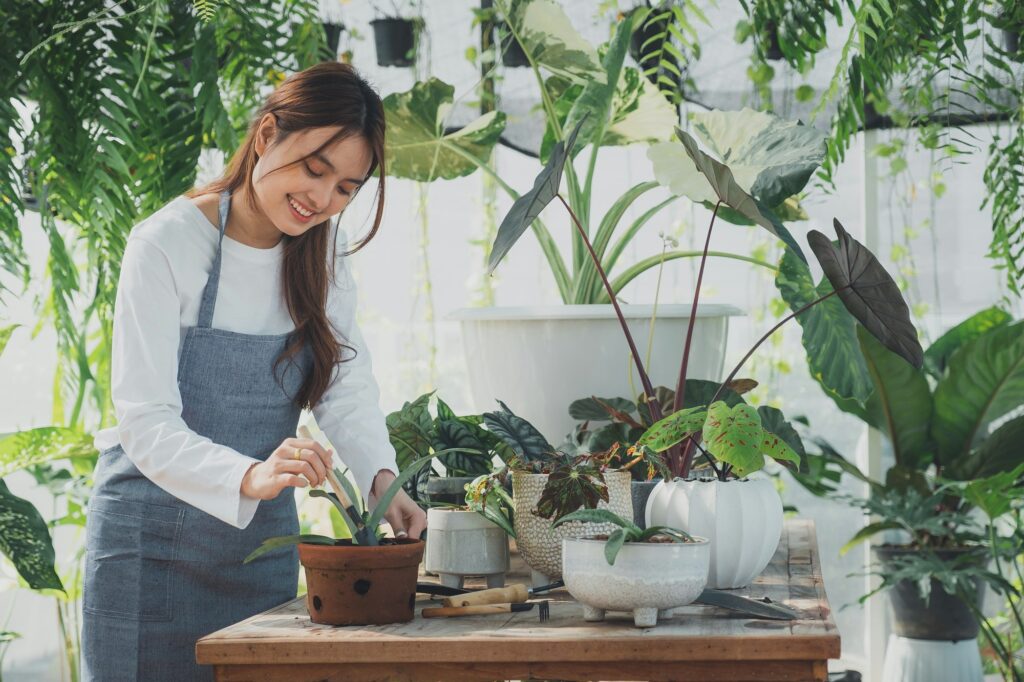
x: 469, y: 671
x: 698, y: 638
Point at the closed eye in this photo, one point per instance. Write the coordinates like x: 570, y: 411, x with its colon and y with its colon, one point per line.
x: 309, y: 170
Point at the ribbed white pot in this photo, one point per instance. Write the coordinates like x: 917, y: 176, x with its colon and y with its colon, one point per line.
x: 540, y: 359
x: 647, y: 579
x: 741, y: 518
x: 463, y: 543
x: 923, y: 660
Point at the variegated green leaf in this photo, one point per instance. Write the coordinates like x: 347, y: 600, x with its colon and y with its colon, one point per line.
x: 734, y: 436
x: 418, y: 148
x: 25, y: 540
x: 673, y: 429
x: 550, y: 41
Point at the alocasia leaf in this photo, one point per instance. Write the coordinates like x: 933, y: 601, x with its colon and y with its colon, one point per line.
x: 520, y: 435
x: 936, y: 358
x: 672, y: 429
x: 734, y: 436
x: 868, y: 292
x: 594, y: 409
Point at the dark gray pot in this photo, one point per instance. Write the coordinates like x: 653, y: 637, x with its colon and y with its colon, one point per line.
x: 945, y: 618
x: 448, y: 489
x: 641, y: 490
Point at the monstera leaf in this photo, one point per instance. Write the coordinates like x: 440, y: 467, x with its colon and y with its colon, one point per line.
x: 418, y: 147
x: 901, y: 404
x: 549, y: 40
x: 522, y: 436
x: 25, y: 540
x: 526, y: 208
x: 868, y: 292
x: 984, y: 382
x: 688, y: 171
x: 829, y: 336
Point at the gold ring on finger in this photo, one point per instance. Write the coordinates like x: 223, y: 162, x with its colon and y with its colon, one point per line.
x: 298, y: 453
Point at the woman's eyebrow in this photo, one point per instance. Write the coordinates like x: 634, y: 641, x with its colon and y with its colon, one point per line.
x: 323, y: 159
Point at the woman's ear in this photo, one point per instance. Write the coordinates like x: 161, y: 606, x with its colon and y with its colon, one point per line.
x: 265, y: 133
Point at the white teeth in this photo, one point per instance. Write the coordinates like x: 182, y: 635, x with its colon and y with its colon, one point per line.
x: 298, y: 209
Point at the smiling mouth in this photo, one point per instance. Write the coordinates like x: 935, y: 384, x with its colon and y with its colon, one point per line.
x: 299, y: 208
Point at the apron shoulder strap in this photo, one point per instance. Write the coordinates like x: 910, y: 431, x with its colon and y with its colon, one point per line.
x: 209, y: 300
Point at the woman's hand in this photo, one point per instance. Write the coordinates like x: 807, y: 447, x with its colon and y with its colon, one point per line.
x: 404, y: 515
x: 296, y: 463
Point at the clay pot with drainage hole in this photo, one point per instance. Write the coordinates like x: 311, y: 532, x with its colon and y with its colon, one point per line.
x: 350, y: 584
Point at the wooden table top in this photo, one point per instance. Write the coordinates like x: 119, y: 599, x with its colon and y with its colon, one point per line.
x: 482, y: 647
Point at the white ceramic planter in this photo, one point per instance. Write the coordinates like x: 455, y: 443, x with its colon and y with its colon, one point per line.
x: 539, y: 359
x: 741, y: 518
x: 648, y: 580
x: 541, y: 545
x: 463, y: 543
x: 923, y: 660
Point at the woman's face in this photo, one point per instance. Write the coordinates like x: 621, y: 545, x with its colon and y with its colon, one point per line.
x: 296, y: 197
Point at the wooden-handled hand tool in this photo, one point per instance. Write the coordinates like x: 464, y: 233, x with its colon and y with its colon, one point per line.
x: 516, y: 593
x: 483, y: 610
x: 335, y: 484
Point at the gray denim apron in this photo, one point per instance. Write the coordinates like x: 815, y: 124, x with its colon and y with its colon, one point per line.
x: 159, y: 573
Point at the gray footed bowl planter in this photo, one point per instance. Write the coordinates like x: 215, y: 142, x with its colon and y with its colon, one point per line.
x: 463, y: 543
x: 541, y: 545
x: 648, y: 580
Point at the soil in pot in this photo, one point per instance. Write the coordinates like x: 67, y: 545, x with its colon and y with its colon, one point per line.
x: 395, y: 41
x: 945, y: 617
x: 350, y: 584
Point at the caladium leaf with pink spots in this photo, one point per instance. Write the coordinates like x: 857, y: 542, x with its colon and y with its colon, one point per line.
x: 734, y: 435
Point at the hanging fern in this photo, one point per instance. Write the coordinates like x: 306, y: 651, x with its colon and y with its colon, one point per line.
x: 206, y: 10
x: 669, y: 43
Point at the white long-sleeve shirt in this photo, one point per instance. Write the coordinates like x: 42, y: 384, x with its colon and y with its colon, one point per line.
x: 166, y: 264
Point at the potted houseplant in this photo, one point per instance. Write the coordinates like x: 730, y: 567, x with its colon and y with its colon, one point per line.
x: 646, y: 572
x: 951, y: 422
x: 736, y: 436
x: 395, y: 38
x: 460, y: 541
x: 549, y: 483
x: 367, y: 579
x: 562, y: 344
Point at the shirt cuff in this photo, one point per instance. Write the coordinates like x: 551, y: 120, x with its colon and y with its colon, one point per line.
x: 247, y: 506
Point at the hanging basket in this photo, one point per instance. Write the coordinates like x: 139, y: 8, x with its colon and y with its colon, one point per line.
x: 512, y: 53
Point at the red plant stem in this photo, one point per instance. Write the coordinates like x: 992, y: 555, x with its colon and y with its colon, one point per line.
x: 739, y: 365
x: 681, y: 383
x: 675, y: 456
x: 652, y: 404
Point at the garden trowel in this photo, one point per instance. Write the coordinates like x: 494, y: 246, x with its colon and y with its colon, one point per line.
x: 726, y: 600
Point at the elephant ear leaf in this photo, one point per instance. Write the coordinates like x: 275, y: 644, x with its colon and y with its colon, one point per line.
x: 868, y: 292
x: 520, y: 435
x: 936, y: 358
x: 671, y: 430
x: 526, y: 208
x: 734, y: 435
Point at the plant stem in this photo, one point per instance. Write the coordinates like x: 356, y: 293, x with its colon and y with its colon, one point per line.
x: 652, y: 404
x: 679, y: 457
x: 739, y: 365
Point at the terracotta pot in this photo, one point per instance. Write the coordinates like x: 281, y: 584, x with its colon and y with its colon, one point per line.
x: 355, y: 585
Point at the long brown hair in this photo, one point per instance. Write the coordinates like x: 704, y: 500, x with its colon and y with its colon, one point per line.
x: 328, y: 94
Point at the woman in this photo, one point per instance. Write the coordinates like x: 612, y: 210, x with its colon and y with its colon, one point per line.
x: 233, y: 313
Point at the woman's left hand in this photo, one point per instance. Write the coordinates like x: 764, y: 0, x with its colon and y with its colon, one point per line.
x: 404, y: 515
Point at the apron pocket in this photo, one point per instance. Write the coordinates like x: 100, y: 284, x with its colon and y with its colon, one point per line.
x: 131, y: 547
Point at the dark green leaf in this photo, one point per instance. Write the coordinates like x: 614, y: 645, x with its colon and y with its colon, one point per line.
x: 774, y: 422
x: 520, y: 435
x: 25, y: 540
x: 271, y: 544
x: 901, y: 404
x: 592, y: 409
x: 614, y: 545
x: 868, y: 292
x: 936, y: 358
x: 526, y: 208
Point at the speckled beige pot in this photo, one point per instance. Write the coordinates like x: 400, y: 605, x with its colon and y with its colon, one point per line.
x: 539, y: 544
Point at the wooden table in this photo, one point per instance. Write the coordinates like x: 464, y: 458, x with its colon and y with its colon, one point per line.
x: 699, y: 643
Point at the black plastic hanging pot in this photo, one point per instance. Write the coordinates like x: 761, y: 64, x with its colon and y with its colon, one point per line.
x: 643, y: 33
x: 395, y: 40
x: 512, y: 53
x: 772, y: 50
x: 945, y: 618
x: 332, y: 33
